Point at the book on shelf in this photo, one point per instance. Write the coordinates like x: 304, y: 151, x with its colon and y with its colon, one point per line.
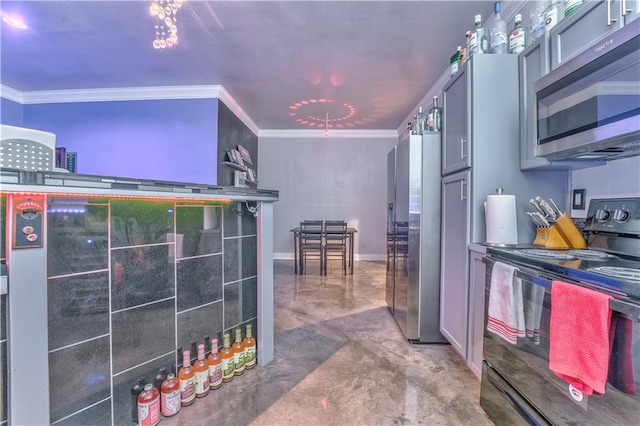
x: 244, y: 153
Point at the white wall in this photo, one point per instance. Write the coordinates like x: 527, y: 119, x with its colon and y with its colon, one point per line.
x: 328, y: 178
x: 617, y: 178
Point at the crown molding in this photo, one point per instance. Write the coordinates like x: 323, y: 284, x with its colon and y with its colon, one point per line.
x: 120, y: 94
x: 333, y: 134
x: 130, y: 94
x: 231, y: 103
x: 11, y: 94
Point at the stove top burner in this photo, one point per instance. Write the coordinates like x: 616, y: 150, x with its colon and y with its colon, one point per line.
x: 592, y: 255
x: 546, y: 254
x: 630, y: 274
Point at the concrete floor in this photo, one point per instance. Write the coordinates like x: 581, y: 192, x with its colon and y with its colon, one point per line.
x: 340, y: 359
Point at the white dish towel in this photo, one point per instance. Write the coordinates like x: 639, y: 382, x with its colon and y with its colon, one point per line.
x: 506, y: 313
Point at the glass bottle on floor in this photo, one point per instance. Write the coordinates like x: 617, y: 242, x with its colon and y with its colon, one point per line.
x: 227, y: 359
x: 215, y: 366
x: 187, y: 380
x: 201, y: 369
x: 238, y: 354
x: 249, y: 348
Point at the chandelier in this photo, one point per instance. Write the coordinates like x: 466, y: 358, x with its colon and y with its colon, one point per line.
x: 166, y: 12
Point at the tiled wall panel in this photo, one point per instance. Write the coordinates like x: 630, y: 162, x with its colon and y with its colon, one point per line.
x: 155, y: 277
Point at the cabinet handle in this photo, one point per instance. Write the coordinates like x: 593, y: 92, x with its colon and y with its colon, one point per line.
x: 462, y: 154
x: 610, y: 21
x: 463, y: 196
x: 625, y: 11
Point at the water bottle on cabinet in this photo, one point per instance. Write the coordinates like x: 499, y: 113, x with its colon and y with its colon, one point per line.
x: 498, y: 31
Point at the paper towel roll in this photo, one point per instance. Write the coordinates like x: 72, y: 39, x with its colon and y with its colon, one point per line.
x: 501, y: 223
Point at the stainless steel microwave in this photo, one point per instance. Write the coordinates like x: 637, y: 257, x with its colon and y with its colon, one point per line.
x: 589, y: 107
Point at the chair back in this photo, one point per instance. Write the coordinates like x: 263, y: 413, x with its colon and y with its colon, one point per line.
x: 335, y: 231
x: 311, y: 230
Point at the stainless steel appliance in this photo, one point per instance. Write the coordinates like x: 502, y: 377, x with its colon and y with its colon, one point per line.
x: 413, y: 237
x: 589, y: 107
x: 517, y: 385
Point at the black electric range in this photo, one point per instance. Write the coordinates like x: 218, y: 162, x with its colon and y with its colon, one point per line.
x: 612, y: 257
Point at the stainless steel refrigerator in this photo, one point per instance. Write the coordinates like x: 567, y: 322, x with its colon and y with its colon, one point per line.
x: 413, y: 236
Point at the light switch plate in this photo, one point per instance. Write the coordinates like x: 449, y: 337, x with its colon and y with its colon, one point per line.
x: 579, y: 196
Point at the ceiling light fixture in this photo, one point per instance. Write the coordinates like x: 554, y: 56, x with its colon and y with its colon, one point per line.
x: 166, y: 12
x: 14, y: 21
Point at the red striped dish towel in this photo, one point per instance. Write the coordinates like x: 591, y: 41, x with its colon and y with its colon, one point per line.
x: 579, y: 336
x: 505, y: 313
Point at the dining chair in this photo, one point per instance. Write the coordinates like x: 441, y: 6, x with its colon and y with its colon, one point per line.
x: 335, y: 244
x: 311, y: 243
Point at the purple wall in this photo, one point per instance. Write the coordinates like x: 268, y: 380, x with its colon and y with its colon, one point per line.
x: 10, y: 113
x: 172, y: 140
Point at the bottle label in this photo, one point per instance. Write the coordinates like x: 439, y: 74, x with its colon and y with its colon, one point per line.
x: 484, y: 44
x: 227, y: 368
x: 571, y: 5
x: 170, y: 403
x: 454, y: 67
x: 187, y: 390
x: 238, y: 360
x: 430, y: 121
x: 473, y: 43
x: 550, y: 18
x: 149, y: 412
x: 250, y: 356
x: 516, y: 41
x: 499, y: 42
x: 202, y: 381
x: 215, y: 375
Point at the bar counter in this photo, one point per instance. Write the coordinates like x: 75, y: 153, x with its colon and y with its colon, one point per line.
x: 109, y: 276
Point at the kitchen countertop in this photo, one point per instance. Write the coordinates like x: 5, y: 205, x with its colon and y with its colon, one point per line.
x: 71, y: 183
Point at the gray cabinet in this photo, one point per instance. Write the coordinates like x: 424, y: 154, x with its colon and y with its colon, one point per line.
x: 454, y: 127
x: 477, y: 273
x: 533, y: 64
x: 630, y: 11
x: 585, y: 25
x: 481, y: 106
x: 454, y: 289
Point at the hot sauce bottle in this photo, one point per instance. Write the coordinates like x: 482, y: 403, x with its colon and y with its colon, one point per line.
x: 149, y: 406
x: 201, y: 373
x: 170, y: 396
x: 187, y: 381
x: 249, y: 349
x: 215, y: 366
x: 227, y: 359
x: 238, y: 354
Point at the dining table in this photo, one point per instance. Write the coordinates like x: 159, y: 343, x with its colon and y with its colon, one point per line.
x: 297, y: 259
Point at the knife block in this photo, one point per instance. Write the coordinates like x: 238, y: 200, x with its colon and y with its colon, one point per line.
x: 550, y: 238
x: 562, y: 234
x: 570, y: 232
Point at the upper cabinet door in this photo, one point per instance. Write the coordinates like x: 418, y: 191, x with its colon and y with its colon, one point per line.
x: 533, y: 64
x: 585, y: 25
x: 455, y: 152
x: 630, y: 11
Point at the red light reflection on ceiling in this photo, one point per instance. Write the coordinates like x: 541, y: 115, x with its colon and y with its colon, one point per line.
x: 313, y: 113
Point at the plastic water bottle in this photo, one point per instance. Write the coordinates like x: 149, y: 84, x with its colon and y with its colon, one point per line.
x: 498, y: 31
x: 536, y: 16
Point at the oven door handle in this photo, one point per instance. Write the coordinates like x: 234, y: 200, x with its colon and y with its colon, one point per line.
x: 526, y: 411
x: 632, y: 310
